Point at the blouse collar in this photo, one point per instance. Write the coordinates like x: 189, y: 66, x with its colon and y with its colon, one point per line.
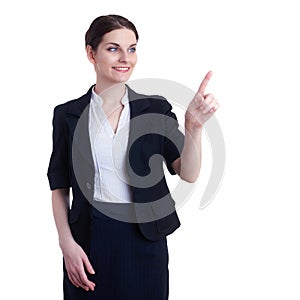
x: 99, y: 100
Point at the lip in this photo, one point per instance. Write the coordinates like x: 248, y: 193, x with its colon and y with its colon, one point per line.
x: 122, y: 69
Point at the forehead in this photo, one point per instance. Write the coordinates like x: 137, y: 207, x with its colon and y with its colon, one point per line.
x: 122, y: 36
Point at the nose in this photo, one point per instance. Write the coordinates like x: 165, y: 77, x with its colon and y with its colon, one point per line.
x: 123, y: 57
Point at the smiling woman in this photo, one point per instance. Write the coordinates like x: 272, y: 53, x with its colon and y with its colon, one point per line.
x: 114, y: 59
x: 104, y: 257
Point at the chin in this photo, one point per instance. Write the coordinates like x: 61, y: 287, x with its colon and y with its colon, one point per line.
x: 122, y: 79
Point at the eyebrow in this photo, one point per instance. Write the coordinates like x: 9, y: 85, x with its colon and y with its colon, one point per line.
x: 116, y: 44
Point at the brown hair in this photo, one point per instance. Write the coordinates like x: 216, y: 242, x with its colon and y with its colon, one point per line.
x: 104, y: 24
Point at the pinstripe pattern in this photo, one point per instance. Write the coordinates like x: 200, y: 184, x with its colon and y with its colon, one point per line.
x: 127, y: 265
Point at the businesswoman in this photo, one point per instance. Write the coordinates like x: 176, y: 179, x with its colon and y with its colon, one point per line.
x: 105, y: 257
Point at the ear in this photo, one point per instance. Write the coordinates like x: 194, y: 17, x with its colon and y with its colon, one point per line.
x: 90, y: 54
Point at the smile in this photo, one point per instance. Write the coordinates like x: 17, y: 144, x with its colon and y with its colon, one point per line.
x: 121, y: 69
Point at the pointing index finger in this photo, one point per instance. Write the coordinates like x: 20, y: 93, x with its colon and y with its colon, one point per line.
x: 204, y: 83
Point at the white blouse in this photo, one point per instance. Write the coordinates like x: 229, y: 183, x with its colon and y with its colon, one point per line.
x: 109, y: 152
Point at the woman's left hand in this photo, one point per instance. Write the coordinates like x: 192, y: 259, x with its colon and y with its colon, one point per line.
x: 202, y: 107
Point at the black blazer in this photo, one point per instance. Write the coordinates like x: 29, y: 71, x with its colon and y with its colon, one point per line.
x: 71, y: 163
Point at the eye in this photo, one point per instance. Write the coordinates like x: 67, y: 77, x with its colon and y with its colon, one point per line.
x: 112, y: 49
x: 132, y: 49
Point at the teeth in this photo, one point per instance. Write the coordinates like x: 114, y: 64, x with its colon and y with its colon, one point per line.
x: 121, y: 68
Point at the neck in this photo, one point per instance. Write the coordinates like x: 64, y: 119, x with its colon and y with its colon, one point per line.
x: 111, y: 94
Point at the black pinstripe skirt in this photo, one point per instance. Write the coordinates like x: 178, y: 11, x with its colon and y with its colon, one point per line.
x: 127, y: 265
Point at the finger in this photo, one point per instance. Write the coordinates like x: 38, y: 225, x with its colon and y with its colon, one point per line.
x: 79, y: 282
x: 75, y: 275
x: 74, y: 280
x: 88, y: 265
x: 213, y: 109
x: 82, y: 273
x: 204, y: 83
x: 85, y: 282
x: 210, y: 106
x: 71, y: 275
x: 209, y: 103
x: 208, y: 99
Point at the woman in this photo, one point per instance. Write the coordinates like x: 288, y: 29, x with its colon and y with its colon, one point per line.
x: 106, y: 257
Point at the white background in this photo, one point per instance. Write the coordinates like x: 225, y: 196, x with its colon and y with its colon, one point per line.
x: 245, y: 244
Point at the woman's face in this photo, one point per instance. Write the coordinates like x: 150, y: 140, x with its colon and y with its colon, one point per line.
x: 115, y: 57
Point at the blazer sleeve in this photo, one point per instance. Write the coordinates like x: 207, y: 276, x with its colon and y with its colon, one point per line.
x: 173, y: 138
x: 58, y: 170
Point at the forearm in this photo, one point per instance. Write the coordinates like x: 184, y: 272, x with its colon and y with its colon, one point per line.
x: 76, y: 260
x: 190, y: 161
x: 60, y: 206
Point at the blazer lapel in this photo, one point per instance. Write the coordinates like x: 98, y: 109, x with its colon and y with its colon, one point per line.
x: 136, y: 107
x: 78, y: 123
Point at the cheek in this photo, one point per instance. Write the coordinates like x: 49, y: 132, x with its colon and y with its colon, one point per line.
x: 104, y: 65
x: 104, y: 60
x: 134, y: 60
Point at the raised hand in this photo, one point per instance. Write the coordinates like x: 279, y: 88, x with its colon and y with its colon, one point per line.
x: 202, y: 107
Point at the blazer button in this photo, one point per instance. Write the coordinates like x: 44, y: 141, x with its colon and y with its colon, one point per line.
x: 88, y: 185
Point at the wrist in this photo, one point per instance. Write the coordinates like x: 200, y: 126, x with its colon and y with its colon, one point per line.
x: 193, y: 129
x: 65, y: 241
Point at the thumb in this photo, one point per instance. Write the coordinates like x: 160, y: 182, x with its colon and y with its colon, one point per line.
x: 88, y: 265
